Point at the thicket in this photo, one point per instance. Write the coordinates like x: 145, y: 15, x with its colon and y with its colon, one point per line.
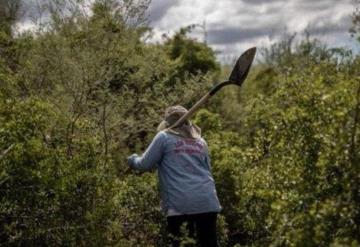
x: 85, y: 90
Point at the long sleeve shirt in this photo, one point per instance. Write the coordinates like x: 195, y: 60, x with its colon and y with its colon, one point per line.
x: 186, y: 183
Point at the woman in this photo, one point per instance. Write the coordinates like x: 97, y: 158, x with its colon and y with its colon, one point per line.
x: 187, y: 187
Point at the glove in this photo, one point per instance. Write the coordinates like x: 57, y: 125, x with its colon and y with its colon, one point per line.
x: 130, y: 160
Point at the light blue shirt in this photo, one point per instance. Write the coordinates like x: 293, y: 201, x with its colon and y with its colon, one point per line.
x: 186, y: 183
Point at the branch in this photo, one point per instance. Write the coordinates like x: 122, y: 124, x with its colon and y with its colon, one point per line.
x: 6, y: 151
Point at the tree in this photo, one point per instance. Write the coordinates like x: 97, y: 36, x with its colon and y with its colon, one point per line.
x: 10, y: 11
x: 194, y: 57
x: 86, y: 92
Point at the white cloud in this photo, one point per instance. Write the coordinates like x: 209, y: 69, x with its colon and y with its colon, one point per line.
x: 234, y: 25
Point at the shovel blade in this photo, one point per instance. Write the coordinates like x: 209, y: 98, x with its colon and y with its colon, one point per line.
x: 242, y: 66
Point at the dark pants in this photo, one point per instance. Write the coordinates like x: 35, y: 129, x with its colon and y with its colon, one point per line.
x: 201, y: 227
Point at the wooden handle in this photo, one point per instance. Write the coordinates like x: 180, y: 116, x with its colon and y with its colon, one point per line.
x: 192, y: 110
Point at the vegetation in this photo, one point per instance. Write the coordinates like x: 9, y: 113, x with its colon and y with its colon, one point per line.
x: 84, y: 90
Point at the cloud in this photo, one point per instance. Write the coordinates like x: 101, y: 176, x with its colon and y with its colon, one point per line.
x: 233, y: 35
x: 159, y: 8
x: 256, y: 2
x: 320, y: 27
x: 232, y: 24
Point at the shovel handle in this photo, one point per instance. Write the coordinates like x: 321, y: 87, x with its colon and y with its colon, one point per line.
x: 193, y: 109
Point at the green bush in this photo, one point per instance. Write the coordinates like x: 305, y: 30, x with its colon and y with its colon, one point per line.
x: 80, y: 95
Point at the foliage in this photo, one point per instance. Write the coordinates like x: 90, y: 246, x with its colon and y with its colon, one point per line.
x: 82, y: 92
x: 193, y: 56
x: 76, y: 98
x: 287, y: 174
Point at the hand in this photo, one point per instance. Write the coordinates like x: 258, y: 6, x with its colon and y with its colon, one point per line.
x: 130, y: 159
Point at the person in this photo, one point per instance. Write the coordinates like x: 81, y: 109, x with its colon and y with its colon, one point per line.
x: 187, y: 188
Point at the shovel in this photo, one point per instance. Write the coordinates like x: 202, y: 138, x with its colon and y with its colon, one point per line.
x: 237, y: 77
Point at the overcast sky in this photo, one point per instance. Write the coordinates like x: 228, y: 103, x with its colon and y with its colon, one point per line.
x: 234, y: 25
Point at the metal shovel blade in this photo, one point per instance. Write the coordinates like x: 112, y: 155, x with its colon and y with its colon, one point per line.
x: 237, y: 76
x: 242, y: 66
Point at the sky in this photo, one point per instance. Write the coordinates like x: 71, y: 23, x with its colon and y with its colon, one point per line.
x: 232, y: 26
x: 235, y: 25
